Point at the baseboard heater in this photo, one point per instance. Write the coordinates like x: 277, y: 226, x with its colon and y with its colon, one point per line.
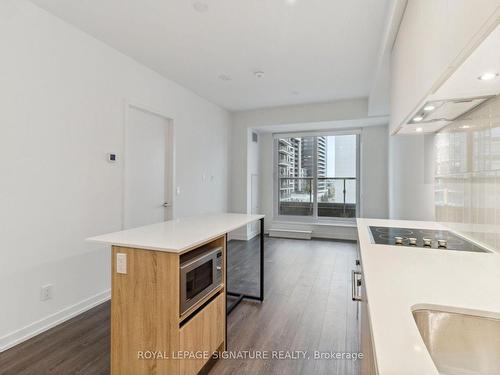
x: 291, y: 233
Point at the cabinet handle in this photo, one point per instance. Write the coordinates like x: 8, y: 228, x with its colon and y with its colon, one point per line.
x: 355, y: 282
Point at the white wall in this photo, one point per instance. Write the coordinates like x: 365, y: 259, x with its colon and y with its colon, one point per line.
x: 253, y: 165
x: 253, y: 162
x: 62, y: 95
x: 411, y: 177
x: 374, y: 172
x: 266, y: 170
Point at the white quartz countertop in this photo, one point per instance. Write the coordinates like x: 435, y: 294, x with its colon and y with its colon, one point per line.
x: 401, y: 279
x: 177, y: 235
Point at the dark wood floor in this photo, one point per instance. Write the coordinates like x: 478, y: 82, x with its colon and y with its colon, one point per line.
x: 79, y: 346
x: 307, y: 308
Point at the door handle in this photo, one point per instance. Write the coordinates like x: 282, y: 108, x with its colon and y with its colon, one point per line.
x: 355, y: 283
x: 166, y: 204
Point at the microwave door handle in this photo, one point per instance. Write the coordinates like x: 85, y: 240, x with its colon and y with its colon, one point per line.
x: 200, y: 259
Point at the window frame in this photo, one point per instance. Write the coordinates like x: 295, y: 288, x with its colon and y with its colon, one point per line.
x: 314, y: 218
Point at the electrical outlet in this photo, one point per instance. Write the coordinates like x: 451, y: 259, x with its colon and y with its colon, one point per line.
x: 121, y: 263
x: 46, y: 292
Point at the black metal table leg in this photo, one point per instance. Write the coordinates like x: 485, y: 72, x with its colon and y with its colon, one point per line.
x: 262, y: 259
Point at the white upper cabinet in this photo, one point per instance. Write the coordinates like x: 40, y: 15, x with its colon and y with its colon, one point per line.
x: 435, y: 37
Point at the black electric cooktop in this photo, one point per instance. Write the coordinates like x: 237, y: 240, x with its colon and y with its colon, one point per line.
x: 438, y: 239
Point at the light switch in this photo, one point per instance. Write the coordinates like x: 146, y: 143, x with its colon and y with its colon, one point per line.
x: 121, y: 263
x: 112, y: 158
x: 178, y: 190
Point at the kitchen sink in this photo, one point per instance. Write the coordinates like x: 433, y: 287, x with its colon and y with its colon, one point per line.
x: 460, y: 344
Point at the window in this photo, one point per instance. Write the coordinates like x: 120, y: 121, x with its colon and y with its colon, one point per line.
x: 317, y: 176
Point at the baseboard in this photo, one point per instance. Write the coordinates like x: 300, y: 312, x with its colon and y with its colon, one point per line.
x: 242, y: 236
x: 290, y: 233
x: 252, y: 235
x: 42, y: 325
x: 332, y: 231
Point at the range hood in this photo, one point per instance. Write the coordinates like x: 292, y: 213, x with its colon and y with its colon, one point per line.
x: 447, y: 110
x: 468, y: 85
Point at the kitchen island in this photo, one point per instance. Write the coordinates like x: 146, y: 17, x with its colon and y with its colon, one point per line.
x: 399, y: 280
x: 168, y: 293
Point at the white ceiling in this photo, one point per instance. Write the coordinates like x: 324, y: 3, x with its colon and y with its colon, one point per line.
x: 309, y: 50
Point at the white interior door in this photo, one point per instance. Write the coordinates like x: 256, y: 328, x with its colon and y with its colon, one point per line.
x: 255, y: 201
x: 146, y: 168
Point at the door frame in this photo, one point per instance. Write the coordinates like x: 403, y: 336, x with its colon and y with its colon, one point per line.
x: 170, y: 156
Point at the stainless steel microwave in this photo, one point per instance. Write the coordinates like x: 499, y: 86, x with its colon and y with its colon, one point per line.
x: 201, y: 273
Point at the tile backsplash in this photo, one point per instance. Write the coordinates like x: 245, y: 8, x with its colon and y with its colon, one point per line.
x: 467, y: 175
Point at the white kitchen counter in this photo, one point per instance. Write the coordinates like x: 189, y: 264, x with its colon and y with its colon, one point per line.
x: 401, y: 279
x: 177, y: 235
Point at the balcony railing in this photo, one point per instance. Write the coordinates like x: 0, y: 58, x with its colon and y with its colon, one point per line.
x: 286, y: 150
x: 286, y: 161
x: 335, y: 196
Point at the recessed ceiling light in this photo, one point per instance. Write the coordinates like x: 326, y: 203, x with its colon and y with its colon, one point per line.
x: 418, y: 118
x: 419, y: 130
x: 259, y: 74
x: 291, y: 1
x: 465, y: 126
x: 200, y: 6
x: 429, y: 108
x: 224, y: 77
x: 487, y: 76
